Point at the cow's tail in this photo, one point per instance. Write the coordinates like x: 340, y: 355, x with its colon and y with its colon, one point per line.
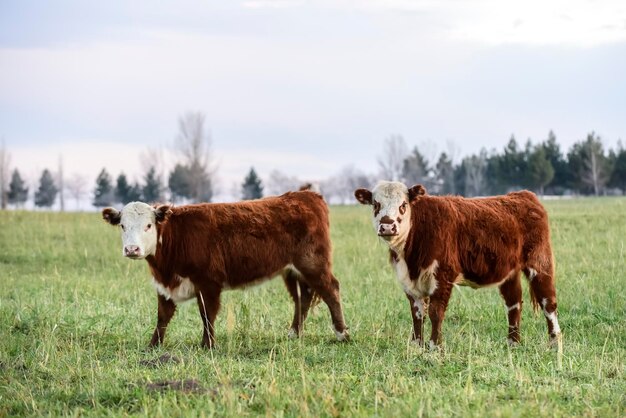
x: 315, y: 299
x: 541, y: 276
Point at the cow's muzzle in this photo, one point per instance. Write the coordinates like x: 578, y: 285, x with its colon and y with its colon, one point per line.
x: 387, y: 227
x: 132, y: 251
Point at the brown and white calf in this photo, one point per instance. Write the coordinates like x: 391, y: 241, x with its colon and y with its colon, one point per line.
x: 438, y: 241
x: 196, y: 251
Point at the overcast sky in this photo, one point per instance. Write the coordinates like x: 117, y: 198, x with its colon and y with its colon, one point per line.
x: 305, y: 87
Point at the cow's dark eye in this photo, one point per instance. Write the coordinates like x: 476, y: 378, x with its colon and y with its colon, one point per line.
x: 403, y: 208
x: 148, y: 226
x: 123, y: 227
x: 376, y: 206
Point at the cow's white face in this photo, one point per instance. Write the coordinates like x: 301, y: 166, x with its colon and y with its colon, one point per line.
x: 391, y: 205
x: 137, y: 221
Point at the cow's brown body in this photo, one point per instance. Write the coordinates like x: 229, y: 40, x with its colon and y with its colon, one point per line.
x: 228, y: 246
x: 478, y: 242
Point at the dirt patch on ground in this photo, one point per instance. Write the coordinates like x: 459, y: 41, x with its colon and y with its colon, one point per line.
x: 161, y: 360
x: 185, y: 386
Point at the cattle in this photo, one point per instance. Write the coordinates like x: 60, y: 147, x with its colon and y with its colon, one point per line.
x: 197, y: 251
x: 436, y: 242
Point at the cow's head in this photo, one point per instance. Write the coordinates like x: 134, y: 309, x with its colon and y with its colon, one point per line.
x: 138, y: 222
x: 391, y: 202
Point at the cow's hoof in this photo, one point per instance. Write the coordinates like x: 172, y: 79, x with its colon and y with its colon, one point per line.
x: 292, y: 334
x: 556, y: 342
x: 433, y: 346
x: 512, y: 343
x: 343, y: 335
x: 417, y: 342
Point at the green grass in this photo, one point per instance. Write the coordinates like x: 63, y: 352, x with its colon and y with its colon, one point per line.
x: 76, y: 317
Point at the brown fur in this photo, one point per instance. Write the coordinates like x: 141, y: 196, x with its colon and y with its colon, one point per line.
x: 485, y: 240
x: 488, y: 241
x: 233, y: 245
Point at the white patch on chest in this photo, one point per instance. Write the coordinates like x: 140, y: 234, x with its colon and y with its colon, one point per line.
x: 182, y: 290
x: 424, y: 285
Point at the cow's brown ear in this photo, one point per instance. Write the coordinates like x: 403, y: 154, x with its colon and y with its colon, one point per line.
x: 161, y: 212
x: 111, y: 215
x: 364, y: 196
x: 416, y: 191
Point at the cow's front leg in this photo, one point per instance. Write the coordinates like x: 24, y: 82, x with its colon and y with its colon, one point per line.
x: 165, y: 313
x: 436, y: 311
x: 418, y: 310
x: 209, y: 304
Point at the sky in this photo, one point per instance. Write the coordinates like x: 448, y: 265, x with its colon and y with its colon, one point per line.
x: 303, y: 87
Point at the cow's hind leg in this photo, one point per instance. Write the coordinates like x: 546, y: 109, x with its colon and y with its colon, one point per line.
x: 511, y: 291
x: 208, y: 298
x: 543, y: 294
x: 327, y: 286
x: 164, y: 315
x: 302, y: 295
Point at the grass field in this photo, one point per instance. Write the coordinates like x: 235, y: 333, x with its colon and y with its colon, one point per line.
x: 76, y: 317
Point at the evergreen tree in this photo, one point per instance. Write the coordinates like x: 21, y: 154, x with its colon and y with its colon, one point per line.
x: 553, y: 153
x: 47, y: 192
x: 512, y: 167
x: 103, y: 193
x: 251, y: 187
x: 122, y: 189
x: 444, y: 174
x: 134, y: 194
x: 415, y: 169
x: 618, y: 175
x: 179, y: 183
x: 152, y: 187
x: 18, y: 192
x: 540, y: 170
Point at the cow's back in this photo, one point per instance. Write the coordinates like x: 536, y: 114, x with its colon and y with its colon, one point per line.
x: 484, y: 238
x: 247, y: 240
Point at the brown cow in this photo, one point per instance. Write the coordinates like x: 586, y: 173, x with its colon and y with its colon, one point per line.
x: 196, y: 251
x: 436, y: 242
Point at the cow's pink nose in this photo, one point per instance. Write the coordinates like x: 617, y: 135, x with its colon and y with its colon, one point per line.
x: 387, y: 229
x: 131, y: 250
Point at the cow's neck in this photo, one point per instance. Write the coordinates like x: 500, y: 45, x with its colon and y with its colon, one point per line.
x: 398, y: 243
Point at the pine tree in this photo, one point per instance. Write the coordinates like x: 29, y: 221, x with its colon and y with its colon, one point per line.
x: 47, y: 192
x: 561, y: 173
x: 152, y: 187
x: 251, y: 187
x: 122, y: 189
x: 415, y: 169
x: 18, y: 193
x: 134, y: 194
x: 179, y: 183
x: 540, y: 170
x: 444, y: 174
x: 103, y: 193
x: 618, y: 175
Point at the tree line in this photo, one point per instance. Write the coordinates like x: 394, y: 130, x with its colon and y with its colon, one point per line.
x: 585, y: 169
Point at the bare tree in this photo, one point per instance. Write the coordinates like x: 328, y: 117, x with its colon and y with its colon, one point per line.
x: 193, y: 142
x: 392, y: 160
x: 77, y: 186
x: 475, y: 174
x: 340, y: 188
x: 279, y: 183
x: 5, y: 162
x: 595, y: 173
